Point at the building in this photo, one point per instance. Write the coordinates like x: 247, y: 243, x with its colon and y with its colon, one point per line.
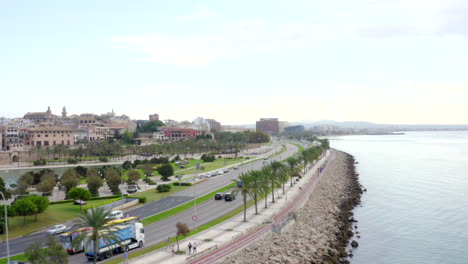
x: 41, y: 116
x: 173, y: 133
x: 214, y: 125
x: 154, y: 117
x: 294, y: 129
x: 50, y: 136
x: 268, y: 125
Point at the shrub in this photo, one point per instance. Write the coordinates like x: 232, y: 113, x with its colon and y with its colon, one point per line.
x: 208, y: 157
x: 166, y: 170
x: 40, y: 162
x: 163, y: 188
x: 141, y: 199
x: 182, y: 184
x: 103, y: 159
x: 150, y: 181
x: 72, y: 161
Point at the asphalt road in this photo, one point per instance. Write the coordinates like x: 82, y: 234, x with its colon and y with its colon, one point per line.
x: 160, y: 230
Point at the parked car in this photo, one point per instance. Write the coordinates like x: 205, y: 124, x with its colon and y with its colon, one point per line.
x: 229, y: 197
x: 219, y: 172
x: 115, y: 215
x: 218, y: 196
x: 56, y: 229
x: 236, y: 168
x: 132, y: 189
x: 17, y: 262
x: 226, y: 171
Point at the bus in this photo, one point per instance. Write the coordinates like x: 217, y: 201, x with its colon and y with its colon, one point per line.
x: 66, y: 238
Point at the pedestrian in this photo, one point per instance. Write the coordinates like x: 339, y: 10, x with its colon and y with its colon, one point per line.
x: 194, y: 247
x: 189, y: 247
x: 125, y: 257
x: 168, y: 244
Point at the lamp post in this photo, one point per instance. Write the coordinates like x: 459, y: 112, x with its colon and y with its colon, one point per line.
x: 195, y: 197
x: 6, y: 229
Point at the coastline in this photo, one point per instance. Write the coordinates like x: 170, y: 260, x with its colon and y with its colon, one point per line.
x: 324, y: 224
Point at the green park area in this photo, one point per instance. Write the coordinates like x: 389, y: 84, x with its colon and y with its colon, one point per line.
x: 55, y: 213
x: 209, y: 166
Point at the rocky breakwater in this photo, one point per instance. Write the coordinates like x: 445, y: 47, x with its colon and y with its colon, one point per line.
x: 323, y: 225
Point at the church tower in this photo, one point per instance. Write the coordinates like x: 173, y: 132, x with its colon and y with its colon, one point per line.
x: 64, y: 112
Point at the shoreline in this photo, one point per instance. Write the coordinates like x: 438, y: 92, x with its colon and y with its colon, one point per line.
x: 324, y: 224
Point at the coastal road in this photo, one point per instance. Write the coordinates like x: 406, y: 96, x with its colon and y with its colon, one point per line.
x: 18, y: 245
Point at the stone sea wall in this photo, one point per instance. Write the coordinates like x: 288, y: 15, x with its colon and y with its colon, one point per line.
x: 323, y: 225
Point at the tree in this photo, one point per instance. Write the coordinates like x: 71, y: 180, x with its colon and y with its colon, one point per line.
x: 47, y: 182
x: 133, y: 176
x: 24, y: 207
x: 265, y: 182
x: 182, y: 230
x: 35, y: 254
x: 77, y: 193
x: 41, y: 203
x: 10, y: 213
x: 151, y: 126
x: 113, y: 179
x: 81, y: 170
x: 147, y: 169
x: 55, y: 252
x: 163, y: 188
x: 6, y: 193
x: 127, y: 165
x: 94, y: 182
x: 70, y: 179
x: 245, y: 190
x: 96, y: 219
x: 166, y: 170
x: 274, y: 177
x: 292, y: 168
x: 24, y: 182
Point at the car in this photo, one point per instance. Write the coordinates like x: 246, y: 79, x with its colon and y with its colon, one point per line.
x: 115, y: 215
x: 17, y: 262
x: 132, y: 189
x: 218, y: 196
x: 236, y: 167
x: 226, y: 171
x: 219, y: 172
x: 229, y: 197
x: 56, y: 229
x: 265, y: 158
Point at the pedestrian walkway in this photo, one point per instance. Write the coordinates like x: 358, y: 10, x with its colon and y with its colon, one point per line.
x: 216, y: 243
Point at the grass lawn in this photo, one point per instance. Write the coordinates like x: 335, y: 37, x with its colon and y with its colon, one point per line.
x: 152, y: 195
x: 217, y: 164
x: 56, y: 213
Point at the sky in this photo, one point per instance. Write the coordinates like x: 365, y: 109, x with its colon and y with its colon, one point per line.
x: 383, y: 61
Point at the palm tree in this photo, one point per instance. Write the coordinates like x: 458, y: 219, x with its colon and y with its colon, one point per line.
x: 277, y: 168
x: 95, y: 219
x: 265, y: 182
x: 256, y: 186
x: 292, y: 168
x: 245, y: 190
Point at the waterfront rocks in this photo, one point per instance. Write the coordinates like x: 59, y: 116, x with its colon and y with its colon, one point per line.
x: 354, y: 243
x: 323, y: 225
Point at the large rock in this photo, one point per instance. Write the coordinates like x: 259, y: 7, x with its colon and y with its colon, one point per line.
x: 354, y: 243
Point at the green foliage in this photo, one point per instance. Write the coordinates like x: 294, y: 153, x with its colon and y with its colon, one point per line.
x: 151, y: 126
x: 72, y: 161
x: 258, y: 137
x: 150, y: 181
x: 94, y: 182
x: 10, y: 213
x: 127, y: 137
x: 113, y: 179
x: 6, y: 193
x: 127, y: 165
x: 208, y: 157
x: 182, y: 183
x: 77, y: 193
x: 25, y: 207
x: 35, y: 254
x: 103, y: 159
x: 53, y: 253
x: 47, y: 182
x: 133, y: 176
x: 81, y: 170
x: 141, y: 199
x: 163, y: 188
x: 40, y: 202
x: 23, y: 183
x: 70, y: 179
x: 87, y: 207
x: 40, y: 162
x: 147, y: 169
x: 166, y: 170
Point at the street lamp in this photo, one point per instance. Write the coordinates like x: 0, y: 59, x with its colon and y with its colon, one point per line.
x: 6, y: 229
x: 195, y: 197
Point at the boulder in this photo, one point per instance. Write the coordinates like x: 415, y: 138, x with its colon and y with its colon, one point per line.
x: 354, y: 243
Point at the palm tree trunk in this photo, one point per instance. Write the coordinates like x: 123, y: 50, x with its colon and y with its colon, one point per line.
x: 283, y: 187
x: 256, y: 208
x: 272, y: 192
x: 266, y: 202
x: 95, y: 248
x: 245, y: 208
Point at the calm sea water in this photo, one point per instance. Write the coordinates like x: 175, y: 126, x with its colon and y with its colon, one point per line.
x: 415, y: 209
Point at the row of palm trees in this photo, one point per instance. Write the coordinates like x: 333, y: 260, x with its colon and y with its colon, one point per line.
x: 257, y: 184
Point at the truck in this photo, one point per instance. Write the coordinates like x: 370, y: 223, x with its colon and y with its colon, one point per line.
x: 66, y: 239
x: 130, y: 236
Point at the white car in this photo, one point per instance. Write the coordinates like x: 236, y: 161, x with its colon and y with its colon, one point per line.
x: 56, y: 229
x: 115, y: 215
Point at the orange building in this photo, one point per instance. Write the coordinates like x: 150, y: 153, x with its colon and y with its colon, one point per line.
x: 50, y: 136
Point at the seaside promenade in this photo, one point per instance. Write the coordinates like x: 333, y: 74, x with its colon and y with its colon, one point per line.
x: 216, y: 243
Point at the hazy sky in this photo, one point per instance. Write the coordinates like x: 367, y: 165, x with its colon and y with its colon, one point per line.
x: 386, y: 61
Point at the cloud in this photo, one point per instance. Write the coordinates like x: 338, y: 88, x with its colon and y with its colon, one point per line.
x: 199, y: 14
x: 234, y: 40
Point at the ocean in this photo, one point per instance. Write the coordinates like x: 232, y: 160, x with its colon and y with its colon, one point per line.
x: 415, y: 209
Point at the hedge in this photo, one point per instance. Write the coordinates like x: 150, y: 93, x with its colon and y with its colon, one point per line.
x: 87, y: 207
x: 92, y: 199
x: 182, y: 184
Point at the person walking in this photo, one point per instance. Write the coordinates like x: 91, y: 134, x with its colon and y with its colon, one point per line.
x: 189, y: 248
x: 194, y: 247
x: 168, y: 244
x: 125, y: 255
